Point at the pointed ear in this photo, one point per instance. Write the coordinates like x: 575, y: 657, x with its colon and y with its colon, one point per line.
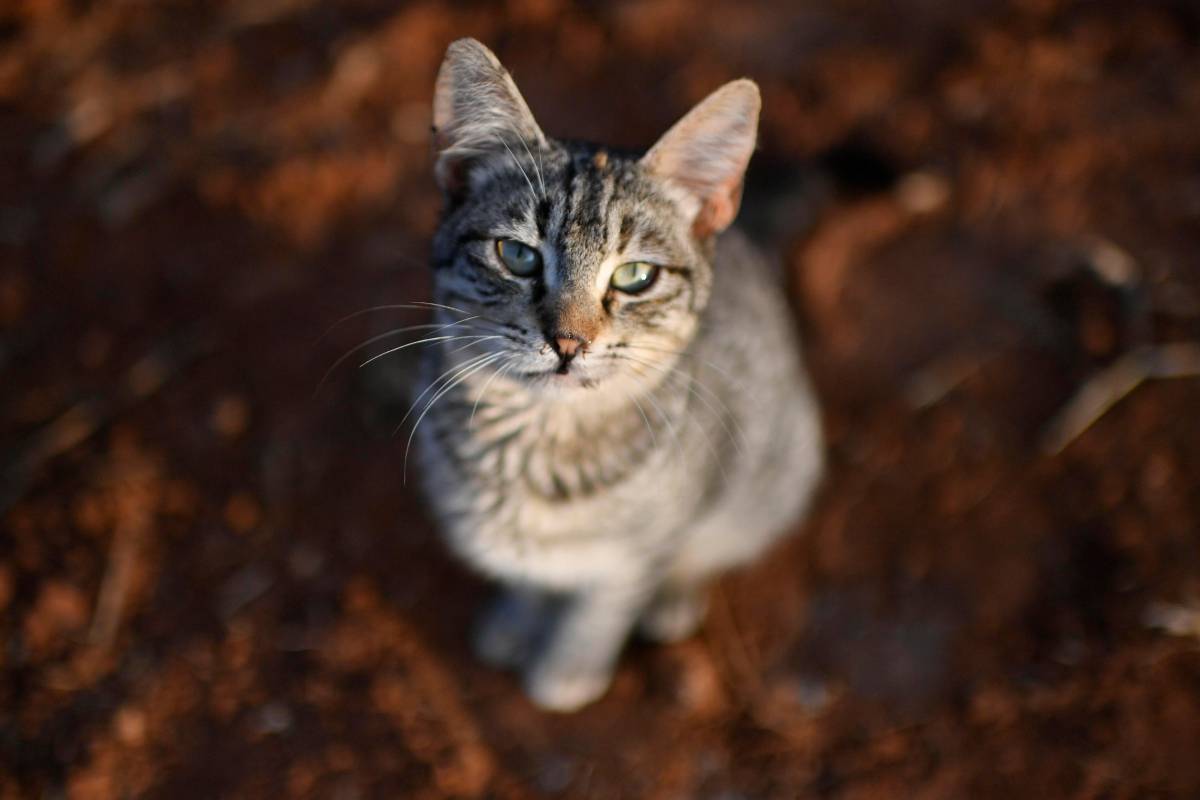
x: 476, y: 109
x: 705, y: 154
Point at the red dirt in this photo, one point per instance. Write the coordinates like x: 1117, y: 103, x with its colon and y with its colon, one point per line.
x: 215, y: 585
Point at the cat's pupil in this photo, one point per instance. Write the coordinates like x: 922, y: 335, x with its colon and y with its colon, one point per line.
x: 521, y: 259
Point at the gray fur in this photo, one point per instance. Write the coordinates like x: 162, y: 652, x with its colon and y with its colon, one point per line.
x: 607, y: 490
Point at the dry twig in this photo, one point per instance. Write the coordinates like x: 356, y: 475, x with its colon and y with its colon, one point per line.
x: 132, y: 484
x: 1105, y: 389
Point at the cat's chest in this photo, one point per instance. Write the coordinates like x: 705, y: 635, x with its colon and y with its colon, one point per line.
x: 524, y: 492
x: 514, y: 457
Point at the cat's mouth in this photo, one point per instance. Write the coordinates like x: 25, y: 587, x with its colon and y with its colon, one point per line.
x: 564, y: 375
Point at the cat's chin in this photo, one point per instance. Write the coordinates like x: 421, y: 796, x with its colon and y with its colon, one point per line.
x: 558, y: 382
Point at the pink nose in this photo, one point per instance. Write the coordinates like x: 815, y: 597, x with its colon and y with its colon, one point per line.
x: 566, y: 346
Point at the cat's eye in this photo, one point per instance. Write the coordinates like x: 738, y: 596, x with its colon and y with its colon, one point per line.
x: 634, y: 277
x: 521, y: 259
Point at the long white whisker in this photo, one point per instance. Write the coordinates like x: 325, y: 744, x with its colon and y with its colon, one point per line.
x: 414, y: 306
x: 459, y: 378
x: 388, y: 334
x: 649, y: 427
x: 433, y: 385
x: 708, y: 442
x: 694, y: 383
x: 460, y: 348
x: 503, y: 369
x: 649, y: 395
x: 427, y: 304
x: 536, y: 168
x: 428, y: 340
x: 532, y: 191
x: 681, y: 354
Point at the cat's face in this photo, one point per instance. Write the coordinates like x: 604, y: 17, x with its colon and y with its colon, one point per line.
x: 595, y: 278
x: 568, y: 267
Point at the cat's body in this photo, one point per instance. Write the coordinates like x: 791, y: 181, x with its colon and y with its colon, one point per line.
x: 559, y: 493
x: 620, y: 410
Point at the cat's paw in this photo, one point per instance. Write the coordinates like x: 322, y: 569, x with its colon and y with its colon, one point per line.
x: 673, y: 616
x: 565, y: 691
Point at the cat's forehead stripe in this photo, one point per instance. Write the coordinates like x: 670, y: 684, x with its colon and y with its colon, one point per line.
x: 542, y: 216
x: 626, y: 232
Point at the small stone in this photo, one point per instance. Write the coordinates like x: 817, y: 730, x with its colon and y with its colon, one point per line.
x: 1112, y: 263
x: 922, y: 192
x: 60, y: 609
x: 147, y: 375
x: 697, y: 683
x: 274, y: 718
x: 230, y: 416
x: 242, y: 512
x: 130, y: 725
x: 305, y: 560
x: 555, y: 775
x: 792, y: 697
x: 1174, y: 619
x: 91, y: 514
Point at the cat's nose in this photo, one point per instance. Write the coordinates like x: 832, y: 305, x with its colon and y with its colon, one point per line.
x: 567, y: 346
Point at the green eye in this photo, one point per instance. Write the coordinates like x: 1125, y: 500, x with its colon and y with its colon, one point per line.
x: 521, y: 259
x: 634, y: 277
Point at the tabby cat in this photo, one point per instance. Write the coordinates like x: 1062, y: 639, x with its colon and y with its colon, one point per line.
x: 615, y: 408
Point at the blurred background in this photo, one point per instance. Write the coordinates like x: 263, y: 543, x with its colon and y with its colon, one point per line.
x: 214, y: 584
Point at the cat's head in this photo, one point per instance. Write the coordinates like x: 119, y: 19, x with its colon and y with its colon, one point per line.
x: 585, y: 266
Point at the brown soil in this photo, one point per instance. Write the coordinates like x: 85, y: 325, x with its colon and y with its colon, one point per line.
x: 214, y: 585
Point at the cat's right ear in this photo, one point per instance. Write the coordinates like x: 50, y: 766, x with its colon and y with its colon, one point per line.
x: 476, y: 110
x: 705, y: 155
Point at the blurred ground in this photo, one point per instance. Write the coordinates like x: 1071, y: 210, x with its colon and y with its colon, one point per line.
x: 214, y: 585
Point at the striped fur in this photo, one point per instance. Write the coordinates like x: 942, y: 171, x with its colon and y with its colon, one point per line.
x: 682, y: 440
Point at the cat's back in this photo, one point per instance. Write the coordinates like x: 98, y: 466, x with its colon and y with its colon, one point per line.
x: 749, y: 330
x: 750, y: 361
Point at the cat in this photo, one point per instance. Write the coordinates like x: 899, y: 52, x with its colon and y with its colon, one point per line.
x: 615, y: 407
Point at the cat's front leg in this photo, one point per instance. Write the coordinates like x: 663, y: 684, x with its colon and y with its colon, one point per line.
x: 576, y: 665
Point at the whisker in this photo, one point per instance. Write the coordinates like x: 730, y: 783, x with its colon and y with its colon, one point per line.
x: 431, y: 387
x: 532, y: 191
x: 649, y: 395
x: 414, y: 306
x: 388, y: 334
x: 707, y: 439
x: 694, y: 383
x: 428, y: 340
x: 508, y: 364
x: 460, y: 348
x: 461, y: 376
x: 681, y: 354
x: 536, y: 167
x: 427, y: 304
x: 708, y: 442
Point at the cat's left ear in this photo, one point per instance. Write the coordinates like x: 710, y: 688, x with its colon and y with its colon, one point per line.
x: 705, y: 154
x: 476, y: 110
